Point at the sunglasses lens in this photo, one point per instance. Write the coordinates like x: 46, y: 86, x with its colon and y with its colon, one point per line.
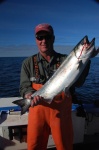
x: 40, y: 38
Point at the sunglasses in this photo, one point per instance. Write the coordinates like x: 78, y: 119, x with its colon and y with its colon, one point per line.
x: 41, y: 37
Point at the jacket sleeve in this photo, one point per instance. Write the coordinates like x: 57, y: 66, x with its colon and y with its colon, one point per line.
x: 83, y: 76
x: 25, y: 83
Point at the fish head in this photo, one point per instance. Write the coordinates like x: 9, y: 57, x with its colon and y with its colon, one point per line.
x: 84, y: 48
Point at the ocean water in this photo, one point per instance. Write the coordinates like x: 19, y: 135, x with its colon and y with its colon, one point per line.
x: 10, y: 79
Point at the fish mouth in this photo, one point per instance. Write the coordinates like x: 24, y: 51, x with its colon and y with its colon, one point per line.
x: 88, y: 47
x: 86, y: 44
x: 85, y: 40
x: 92, y: 42
x: 85, y: 47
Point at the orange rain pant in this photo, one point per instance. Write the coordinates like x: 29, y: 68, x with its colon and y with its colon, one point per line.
x: 54, y: 118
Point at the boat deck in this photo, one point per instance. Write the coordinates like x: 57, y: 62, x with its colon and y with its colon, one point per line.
x: 84, y: 147
x: 91, y: 142
x: 86, y: 130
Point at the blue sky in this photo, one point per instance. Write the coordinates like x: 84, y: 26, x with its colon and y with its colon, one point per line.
x: 71, y: 20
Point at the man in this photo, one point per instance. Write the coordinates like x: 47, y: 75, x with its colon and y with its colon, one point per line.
x: 44, y: 118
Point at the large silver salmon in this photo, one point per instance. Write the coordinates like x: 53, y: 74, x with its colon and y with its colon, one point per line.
x: 65, y: 76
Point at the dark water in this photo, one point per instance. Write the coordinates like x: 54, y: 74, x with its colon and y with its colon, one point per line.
x: 10, y: 77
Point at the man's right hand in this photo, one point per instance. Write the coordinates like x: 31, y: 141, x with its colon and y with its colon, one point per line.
x: 28, y: 95
x: 35, y: 100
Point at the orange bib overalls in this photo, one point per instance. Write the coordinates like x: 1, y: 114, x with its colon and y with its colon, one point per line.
x: 45, y: 119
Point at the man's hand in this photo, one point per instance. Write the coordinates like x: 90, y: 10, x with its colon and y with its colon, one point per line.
x: 95, y: 52
x: 28, y: 95
x: 36, y: 100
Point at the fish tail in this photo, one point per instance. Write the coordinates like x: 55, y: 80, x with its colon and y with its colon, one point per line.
x: 23, y: 104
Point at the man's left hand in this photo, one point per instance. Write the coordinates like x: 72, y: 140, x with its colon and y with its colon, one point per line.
x: 95, y: 52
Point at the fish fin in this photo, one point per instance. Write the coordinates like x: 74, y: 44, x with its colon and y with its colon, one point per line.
x: 78, y: 64
x: 19, y: 102
x: 65, y: 89
x: 23, y: 104
x: 24, y: 109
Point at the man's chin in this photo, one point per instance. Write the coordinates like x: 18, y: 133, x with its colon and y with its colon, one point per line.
x: 44, y: 50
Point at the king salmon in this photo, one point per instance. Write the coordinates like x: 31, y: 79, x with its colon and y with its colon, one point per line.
x: 65, y: 76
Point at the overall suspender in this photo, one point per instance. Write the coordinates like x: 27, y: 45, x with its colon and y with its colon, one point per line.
x: 36, y: 67
x: 39, y: 69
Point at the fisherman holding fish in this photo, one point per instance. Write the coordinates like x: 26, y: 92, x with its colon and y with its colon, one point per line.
x: 48, y: 118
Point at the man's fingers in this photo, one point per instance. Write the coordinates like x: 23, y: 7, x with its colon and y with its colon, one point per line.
x: 36, y: 100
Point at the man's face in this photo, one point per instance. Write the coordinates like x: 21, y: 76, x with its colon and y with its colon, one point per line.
x: 44, y: 41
